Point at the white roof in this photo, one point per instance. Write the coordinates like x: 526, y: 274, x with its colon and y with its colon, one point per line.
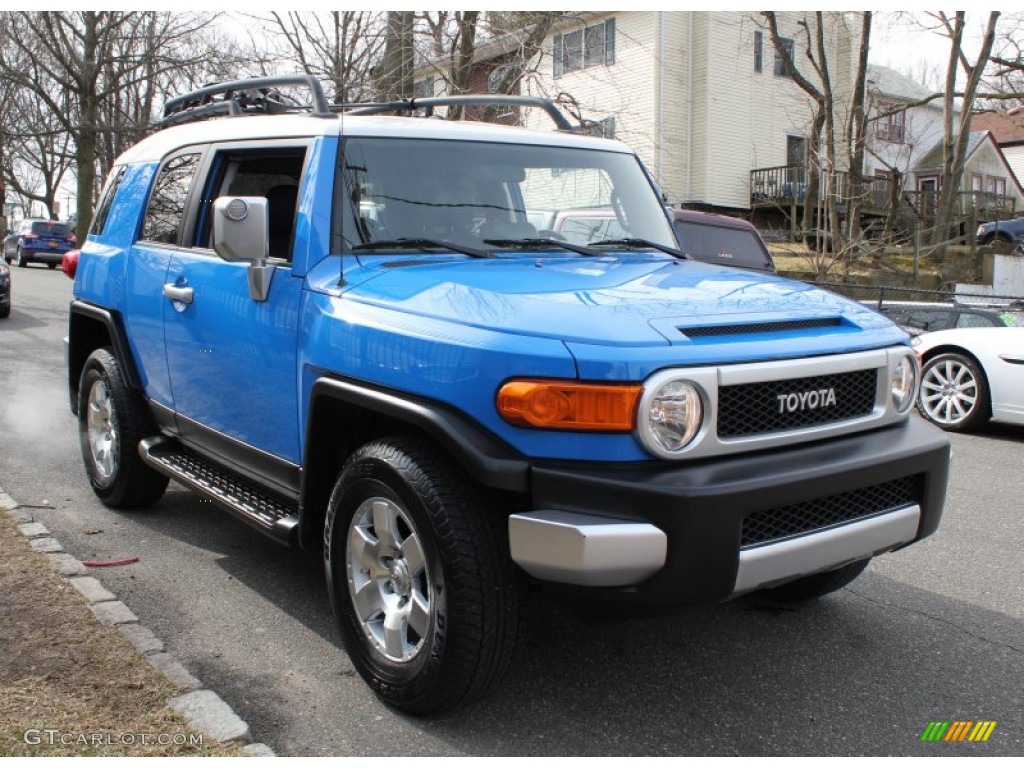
x: 224, y: 129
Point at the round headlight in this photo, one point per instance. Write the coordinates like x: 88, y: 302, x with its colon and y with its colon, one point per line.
x: 904, y: 383
x: 670, y: 417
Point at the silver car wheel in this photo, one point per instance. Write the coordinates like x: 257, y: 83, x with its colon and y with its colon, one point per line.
x: 949, y: 391
x: 394, y: 595
x: 103, y: 442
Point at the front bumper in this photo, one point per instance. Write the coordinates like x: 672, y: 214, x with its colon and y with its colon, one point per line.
x: 705, y: 531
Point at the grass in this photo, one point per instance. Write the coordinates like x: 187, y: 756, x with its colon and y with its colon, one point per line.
x: 70, y: 686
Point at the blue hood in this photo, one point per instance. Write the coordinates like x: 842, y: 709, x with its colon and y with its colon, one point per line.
x: 635, y: 300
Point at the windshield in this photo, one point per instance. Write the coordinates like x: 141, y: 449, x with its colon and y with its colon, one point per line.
x: 488, y: 195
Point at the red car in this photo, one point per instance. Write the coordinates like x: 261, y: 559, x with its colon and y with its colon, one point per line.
x: 69, y: 263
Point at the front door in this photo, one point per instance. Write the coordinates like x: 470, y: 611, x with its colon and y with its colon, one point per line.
x: 232, y: 359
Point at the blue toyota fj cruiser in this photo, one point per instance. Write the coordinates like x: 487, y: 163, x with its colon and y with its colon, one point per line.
x: 346, y: 328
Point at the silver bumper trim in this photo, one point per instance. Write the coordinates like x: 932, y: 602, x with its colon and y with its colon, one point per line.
x: 777, y: 563
x: 573, y: 548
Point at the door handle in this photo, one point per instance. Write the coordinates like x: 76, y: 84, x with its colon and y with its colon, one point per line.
x: 178, y: 293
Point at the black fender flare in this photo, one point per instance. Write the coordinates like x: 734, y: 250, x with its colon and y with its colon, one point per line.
x: 486, y: 458
x: 82, y: 340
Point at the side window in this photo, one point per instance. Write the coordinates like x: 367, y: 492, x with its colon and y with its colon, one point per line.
x: 99, y: 219
x: 168, y: 198
x: 273, y: 173
x: 972, y: 320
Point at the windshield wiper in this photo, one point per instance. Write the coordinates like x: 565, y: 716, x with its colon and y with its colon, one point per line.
x: 636, y: 242
x: 411, y: 243
x: 544, y: 242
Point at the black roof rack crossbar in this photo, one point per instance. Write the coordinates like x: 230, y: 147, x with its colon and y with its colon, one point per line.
x: 254, y: 95
x: 428, y: 103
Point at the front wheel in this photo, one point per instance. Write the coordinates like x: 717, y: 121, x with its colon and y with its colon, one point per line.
x: 112, y: 420
x: 420, y: 578
x: 954, y: 394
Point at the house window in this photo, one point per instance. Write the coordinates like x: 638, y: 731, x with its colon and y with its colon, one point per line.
x: 996, y: 185
x: 892, y: 124
x: 977, y: 182
x: 782, y: 69
x: 582, y: 48
x: 759, y: 51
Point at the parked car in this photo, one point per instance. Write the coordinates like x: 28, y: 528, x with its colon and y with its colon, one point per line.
x: 386, y: 362
x: 718, y: 239
x: 5, y: 290
x: 971, y: 375
x: 69, y: 264
x: 1008, y: 231
x: 38, y: 240
x: 925, y: 317
x: 707, y: 237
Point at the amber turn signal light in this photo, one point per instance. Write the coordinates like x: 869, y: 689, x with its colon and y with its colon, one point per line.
x: 548, y: 404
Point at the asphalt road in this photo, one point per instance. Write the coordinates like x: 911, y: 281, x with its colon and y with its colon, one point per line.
x: 935, y: 632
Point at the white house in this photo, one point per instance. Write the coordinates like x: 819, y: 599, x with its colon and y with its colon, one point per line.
x: 701, y: 95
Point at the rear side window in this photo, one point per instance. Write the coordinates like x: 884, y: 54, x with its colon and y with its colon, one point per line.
x: 168, y: 198
x: 99, y: 219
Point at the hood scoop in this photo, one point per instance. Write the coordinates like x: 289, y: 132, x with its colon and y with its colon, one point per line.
x: 757, y: 328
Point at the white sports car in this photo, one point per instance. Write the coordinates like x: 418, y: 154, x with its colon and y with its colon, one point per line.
x: 970, y: 375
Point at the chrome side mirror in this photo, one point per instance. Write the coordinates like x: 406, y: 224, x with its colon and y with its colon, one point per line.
x: 241, y: 233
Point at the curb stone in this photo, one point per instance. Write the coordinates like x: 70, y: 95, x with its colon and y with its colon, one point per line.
x: 203, y: 709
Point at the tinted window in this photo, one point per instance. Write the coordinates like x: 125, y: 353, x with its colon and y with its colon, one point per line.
x: 722, y: 245
x: 167, y: 201
x: 930, y: 319
x: 99, y: 220
x: 51, y: 228
x: 974, y: 320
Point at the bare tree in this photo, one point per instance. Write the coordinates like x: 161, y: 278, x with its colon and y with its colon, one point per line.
x: 76, y: 62
x: 340, y: 47
x: 956, y: 126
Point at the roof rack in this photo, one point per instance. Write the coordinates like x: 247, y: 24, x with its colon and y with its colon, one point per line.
x: 490, y: 99
x: 260, y: 96
x: 252, y: 96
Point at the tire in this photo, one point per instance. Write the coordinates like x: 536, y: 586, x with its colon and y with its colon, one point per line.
x: 50, y: 265
x: 954, y: 392
x: 5, y: 311
x: 20, y: 259
x: 420, y: 578
x: 816, y: 585
x: 112, y: 420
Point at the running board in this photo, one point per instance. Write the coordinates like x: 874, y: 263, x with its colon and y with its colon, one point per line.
x: 238, y: 496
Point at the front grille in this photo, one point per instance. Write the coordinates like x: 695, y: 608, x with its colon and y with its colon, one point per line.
x: 809, y: 516
x: 773, y: 327
x: 777, y: 406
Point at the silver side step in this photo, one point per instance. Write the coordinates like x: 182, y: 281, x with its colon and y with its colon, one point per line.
x: 232, y: 493
x: 773, y: 564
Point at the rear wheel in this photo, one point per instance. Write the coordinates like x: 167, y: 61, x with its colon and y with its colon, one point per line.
x: 817, y: 585
x: 420, y: 579
x: 112, y: 420
x: 20, y: 258
x: 954, y: 393
x: 51, y: 265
